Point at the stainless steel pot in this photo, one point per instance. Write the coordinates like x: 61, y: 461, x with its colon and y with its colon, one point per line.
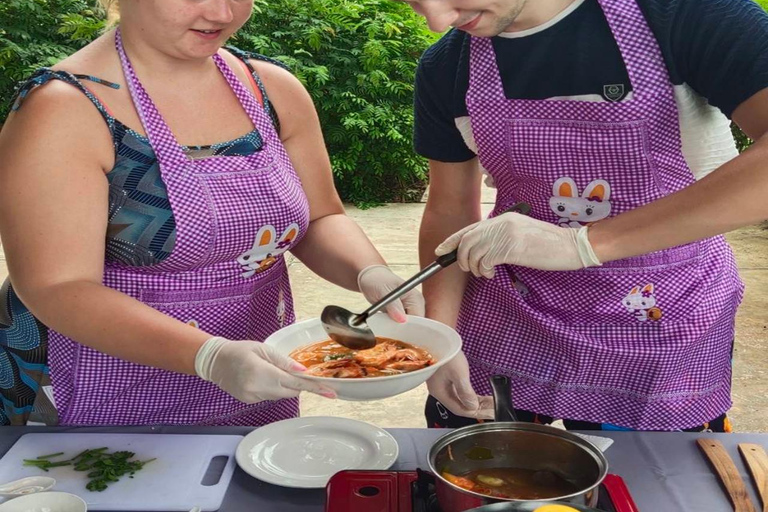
x: 513, y: 444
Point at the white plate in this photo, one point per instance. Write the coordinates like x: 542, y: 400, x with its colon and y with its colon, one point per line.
x: 307, y: 452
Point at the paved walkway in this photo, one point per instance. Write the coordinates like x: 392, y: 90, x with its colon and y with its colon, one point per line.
x: 394, y: 228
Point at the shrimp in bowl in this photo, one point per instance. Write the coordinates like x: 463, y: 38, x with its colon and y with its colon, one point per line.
x: 388, y: 357
x: 405, y: 356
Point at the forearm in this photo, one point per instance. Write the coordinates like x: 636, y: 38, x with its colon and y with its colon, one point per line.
x: 731, y: 197
x: 116, y: 324
x: 443, y: 292
x: 337, y: 249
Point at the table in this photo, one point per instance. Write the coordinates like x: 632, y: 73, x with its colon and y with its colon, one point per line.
x: 664, y: 471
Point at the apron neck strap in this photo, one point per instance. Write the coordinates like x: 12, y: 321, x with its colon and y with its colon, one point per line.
x: 162, y: 140
x: 637, y: 45
x: 255, y: 111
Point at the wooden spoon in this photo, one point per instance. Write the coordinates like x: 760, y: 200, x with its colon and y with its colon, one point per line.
x: 755, y: 457
x: 729, y: 475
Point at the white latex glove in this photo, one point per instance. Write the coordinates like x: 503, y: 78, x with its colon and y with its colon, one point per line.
x: 376, y: 281
x: 516, y: 239
x: 251, y: 371
x: 451, y: 387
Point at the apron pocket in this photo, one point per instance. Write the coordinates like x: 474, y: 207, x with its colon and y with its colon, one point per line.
x: 660, y: 288
x: 248, y: 311
x: 573, y: 173
x: 276, y: 222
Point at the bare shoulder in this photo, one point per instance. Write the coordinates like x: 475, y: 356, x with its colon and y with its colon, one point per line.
x: 98, y: 59
x: 58, y: 119
x: 291, y: 99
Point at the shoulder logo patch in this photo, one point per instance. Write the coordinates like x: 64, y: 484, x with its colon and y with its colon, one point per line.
x: 613, y: 92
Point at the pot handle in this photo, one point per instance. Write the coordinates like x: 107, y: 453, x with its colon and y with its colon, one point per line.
x: 502, y: 399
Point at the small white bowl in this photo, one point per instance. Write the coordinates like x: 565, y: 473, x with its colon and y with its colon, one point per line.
x: 28, y: 485
x: 45, y: 502
x: 440, y: 340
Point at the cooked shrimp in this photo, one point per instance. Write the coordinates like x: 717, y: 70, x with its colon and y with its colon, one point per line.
x: 378, y: 355
x: 341, y: 369
x: 405, y: 366
x: 387, y: 357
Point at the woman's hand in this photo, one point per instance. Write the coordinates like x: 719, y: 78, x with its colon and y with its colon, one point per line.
x: 251, y: 371
x: 451, y: 387
x: 515, y: 239
x: 376, y: 281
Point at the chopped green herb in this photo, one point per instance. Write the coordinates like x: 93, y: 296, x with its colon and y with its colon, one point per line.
x: 103, y: 467
x: 335, y: 357
x: 50, y: 456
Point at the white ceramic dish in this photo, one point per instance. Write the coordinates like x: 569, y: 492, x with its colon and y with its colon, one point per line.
x: 45, y: 502
x: 307, y: 452
x: 28, y: 485
x: 440, y: 340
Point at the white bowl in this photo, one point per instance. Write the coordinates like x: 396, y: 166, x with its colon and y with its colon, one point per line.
x: 45, y: 502
x: 440, y: 340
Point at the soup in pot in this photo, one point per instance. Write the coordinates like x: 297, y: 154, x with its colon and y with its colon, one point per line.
x: 514, y: 483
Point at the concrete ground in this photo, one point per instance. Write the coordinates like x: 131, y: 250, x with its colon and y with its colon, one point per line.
x: 393, y: 229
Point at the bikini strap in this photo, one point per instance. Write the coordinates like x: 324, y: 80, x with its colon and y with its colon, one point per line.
x: 44, y: 75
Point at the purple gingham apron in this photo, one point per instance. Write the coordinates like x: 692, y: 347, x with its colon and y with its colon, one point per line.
x: 235, y: 216
x: 643, y: 342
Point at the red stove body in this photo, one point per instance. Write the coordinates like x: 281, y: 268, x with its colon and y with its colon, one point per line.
x: 413, y: 491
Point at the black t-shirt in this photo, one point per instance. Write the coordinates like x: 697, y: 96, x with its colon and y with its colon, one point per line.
x: 718, y: 48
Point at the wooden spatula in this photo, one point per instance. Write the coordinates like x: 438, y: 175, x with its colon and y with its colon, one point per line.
x: 729, y: 475
x: 755, y: 457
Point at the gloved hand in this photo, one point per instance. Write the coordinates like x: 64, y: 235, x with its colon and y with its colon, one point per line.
x: 376, y: 281
x: 451, y: 387
x: 516, y: 239
x: 251, y: 371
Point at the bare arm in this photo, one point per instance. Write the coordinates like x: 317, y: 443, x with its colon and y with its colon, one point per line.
x: 731, y: 197
x: 335, y: 247
x: 453, y: 203
x: 53, y: 218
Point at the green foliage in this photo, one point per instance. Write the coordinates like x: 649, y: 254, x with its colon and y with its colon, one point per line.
x: 35, y: 33
x: 742, y: 141
x: 358, y: 61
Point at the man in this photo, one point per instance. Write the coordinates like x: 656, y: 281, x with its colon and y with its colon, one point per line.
x: 612, y: 304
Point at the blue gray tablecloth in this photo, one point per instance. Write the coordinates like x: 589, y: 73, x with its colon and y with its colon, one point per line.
x: 664, y: 471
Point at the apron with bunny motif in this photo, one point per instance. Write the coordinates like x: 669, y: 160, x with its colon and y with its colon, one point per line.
x: 235, y: 217
x: 644, y: 342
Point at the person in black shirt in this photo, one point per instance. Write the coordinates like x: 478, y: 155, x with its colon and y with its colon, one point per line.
x: 613, y: 304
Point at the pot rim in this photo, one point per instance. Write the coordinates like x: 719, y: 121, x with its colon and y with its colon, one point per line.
x: 518, y: 426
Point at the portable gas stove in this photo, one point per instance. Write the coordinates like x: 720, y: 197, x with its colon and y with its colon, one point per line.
x: 414, y: 491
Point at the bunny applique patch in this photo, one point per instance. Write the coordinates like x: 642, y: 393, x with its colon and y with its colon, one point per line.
x: 574, y: 211
x: 266, y: 248
x: 641, y: 303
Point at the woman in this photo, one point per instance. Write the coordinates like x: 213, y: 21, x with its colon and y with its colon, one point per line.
x: 146, y: 255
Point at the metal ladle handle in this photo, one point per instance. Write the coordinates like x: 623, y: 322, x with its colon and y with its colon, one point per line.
x: 433, y: 268
x: 428, y: 271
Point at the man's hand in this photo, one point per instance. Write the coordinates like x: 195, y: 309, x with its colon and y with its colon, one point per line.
x: 515, y: 239
x: 450, y: 386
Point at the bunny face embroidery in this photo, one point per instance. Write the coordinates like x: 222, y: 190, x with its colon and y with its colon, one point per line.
x: 574, y: 211
x: 642, y: 303
x: 266, y: 248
